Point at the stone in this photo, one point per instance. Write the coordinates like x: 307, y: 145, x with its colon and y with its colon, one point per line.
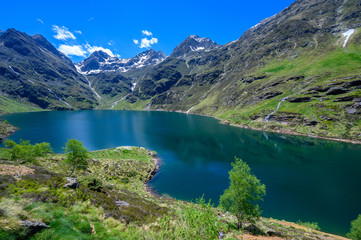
x: 299, y: 99
x: 337, y: 91
x: 121, y: 203
x: 351, y: 110
x: 72, y: 183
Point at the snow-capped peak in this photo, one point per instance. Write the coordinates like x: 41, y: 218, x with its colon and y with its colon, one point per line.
x: 101, y: 62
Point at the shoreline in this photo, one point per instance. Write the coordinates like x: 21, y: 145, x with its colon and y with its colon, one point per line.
x: 281, y: 131
x: 147, y: 187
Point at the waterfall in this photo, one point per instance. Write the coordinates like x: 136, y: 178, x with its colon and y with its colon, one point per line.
x: 116, y: 102
x: 91, y: 88
x: 278, y: 106
x: 347, y: 35
x: 191, y: 109
x: 61, y: 100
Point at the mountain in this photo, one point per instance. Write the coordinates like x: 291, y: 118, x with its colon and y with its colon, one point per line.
x: 100, y: 61
x: 295, y: 72
x: 33, y: 71
x: 193, y: 45
x: 301, y: 65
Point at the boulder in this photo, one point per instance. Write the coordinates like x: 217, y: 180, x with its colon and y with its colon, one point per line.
x: 34, y: 226
x: 121, y: 203
x: 299, y: 99
x: 337, y: 91
x: 72, y: 183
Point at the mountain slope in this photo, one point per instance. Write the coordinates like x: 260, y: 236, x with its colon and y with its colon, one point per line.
x: 298, y: 53
x: 32, y: 70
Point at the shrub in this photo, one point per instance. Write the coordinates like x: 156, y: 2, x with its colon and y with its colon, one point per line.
x: 312, y: 225
x: 355, y: 231
x: 24, y: 151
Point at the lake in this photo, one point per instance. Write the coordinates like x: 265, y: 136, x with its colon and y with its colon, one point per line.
x: 306, y: 179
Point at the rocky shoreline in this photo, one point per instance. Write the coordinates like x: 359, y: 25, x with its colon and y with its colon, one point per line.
x: 6, y: 130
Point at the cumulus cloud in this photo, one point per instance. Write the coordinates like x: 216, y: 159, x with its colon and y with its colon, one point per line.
x: 62, y: 33
x: 75, y: 50
x: 147, y: 43
x: 40, y: 21
x: 147, y: 33
x: 92, y: 49
x: 136, y: 42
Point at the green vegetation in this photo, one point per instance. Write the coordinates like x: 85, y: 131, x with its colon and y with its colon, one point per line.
x: 76, y: 155
x: 355, y: 232
x: 110, y: 201
x: 244, y: 192
x: 24, y: 151
x: 312, y: 225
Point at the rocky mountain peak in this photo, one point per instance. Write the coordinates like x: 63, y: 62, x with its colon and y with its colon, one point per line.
x: 100, y: 55
x: 100, y: 61
x: 192, y: 45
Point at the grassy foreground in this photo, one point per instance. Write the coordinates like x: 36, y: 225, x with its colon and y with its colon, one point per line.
x: 112, y: 201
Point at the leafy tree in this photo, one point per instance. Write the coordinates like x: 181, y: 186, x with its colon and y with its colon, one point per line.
x: 242, y: 195
x: 76, y: 155
x: 24, y: 151
x: 355, y: 232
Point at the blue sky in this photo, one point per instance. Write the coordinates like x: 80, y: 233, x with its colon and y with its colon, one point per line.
x: 80, y: 27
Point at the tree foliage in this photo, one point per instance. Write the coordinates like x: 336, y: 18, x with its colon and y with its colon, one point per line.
x: 76, y: 155
x: 24, y: 151
x: 355, y: 232
x: 241, y: 197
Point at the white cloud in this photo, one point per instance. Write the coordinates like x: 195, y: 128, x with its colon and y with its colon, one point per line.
x: 40, y: 21
x: 90, y: 19
x: 147, y: 43
x: 78, y: 32
x: 111, y: 42
x: 136, y: 42
x: 92, y: 49
x: 75, y: 50
x: 62, y: 33
x: 147, y: 33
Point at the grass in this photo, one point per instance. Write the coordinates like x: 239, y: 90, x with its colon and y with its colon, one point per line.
x: 8, y: 105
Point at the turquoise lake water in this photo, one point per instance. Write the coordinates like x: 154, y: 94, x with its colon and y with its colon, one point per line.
x: 306, y: 179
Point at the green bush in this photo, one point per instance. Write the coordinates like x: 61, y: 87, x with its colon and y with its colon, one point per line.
x: 355, y: 231
x: 312, y: 225
x: 6, y: 122
x: 92, y: 182
x: 24, y: 151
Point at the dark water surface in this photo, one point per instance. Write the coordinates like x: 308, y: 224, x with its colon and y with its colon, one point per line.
x: 306, y: 179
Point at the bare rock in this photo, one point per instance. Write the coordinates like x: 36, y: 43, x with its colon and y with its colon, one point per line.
x: 72, y: 183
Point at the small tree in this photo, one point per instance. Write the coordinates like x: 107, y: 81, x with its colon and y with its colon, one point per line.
x: 76, y: 155
x: 355, y: 232
x: 242, y: 195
